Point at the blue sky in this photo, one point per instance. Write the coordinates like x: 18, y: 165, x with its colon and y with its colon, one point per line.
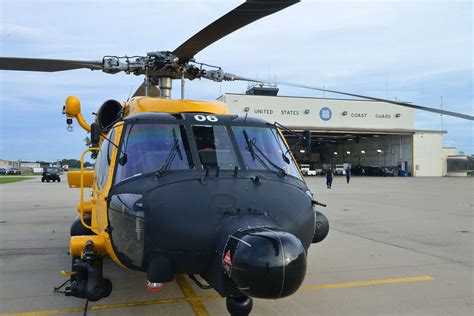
x: 409, y: 50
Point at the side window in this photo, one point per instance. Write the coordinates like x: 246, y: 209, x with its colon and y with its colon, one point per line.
x: 111, y: 137
x: 102, y: 164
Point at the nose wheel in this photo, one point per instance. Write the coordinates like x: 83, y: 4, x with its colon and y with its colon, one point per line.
x: 239, y: 305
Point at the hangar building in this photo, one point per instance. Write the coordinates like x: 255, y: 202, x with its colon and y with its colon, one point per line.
x: 354, y: 132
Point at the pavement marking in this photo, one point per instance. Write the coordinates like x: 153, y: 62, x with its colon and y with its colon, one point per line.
x: 196, y: 304
x: 114, y: 306
x: 196, y: 300
x: 365, y: 283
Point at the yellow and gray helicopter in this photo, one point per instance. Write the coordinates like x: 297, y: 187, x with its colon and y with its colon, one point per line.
x: 184, y: 186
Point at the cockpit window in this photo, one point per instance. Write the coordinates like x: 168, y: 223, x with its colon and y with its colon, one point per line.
x: 214, y: 147
x: 268, y: 141
x: 153, y: 147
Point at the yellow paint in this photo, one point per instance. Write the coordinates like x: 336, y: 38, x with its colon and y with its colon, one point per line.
x: 74, y: 179
x: 99, y: 196
x: 192, y: 298
x: 77, y: 244
x: 86, y: 207
x: 82, y: 183
x: 196, y: 304
x: 113, y: 306
x: 73, y: 110
x: 365, y: 283
x: 147, y: 104
x: 73, y: 106
x: 67, y: 273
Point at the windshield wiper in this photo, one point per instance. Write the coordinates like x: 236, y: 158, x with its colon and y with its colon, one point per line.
x: 177, y: 144
x: 169, y: 159
x: 251, y: 145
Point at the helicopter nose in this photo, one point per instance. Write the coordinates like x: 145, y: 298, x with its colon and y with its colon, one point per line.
x: 264, y: 262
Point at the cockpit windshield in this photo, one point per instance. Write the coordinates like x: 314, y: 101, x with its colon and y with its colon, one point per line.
x: 214, y: 147
x: 158, y: 147
x: 270, y: 144
x: 151, y: 147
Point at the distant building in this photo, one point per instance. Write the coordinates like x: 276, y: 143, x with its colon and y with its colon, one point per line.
x: 31, y: 165
x: 356, y: 132
x: 9, y: 164
x: 23, y: 165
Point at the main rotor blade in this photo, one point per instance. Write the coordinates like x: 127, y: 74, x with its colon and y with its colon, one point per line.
x: 408, y: 105
x: 246, y: 13
x: 46, y: 65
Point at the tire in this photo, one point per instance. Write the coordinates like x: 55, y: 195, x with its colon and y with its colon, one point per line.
x: 321, y: 227
x: 42, y: 179
x: 59, y: 180
x: 239, y: 306
x: 77, y: 229
x: 47, y: 180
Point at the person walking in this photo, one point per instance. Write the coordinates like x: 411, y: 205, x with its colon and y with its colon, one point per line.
x: 348, y: 174
x: 329, y: 176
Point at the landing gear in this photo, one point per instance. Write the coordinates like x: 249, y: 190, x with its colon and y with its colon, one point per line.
x: 321, y: 228
x: 77, y: 229
x: 88, y: 281
x: 239, y: 305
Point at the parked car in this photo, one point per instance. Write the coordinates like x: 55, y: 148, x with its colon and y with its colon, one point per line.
x: 389, y: 172
x: 50, y: 174
x: 13, y: 171
x: 304, y: 168
x: 307, y: 171
x: 378, y: 171
x: 358, y: 170
x: 339, y: 170
x: 311, y: 172
x: 3, y: 171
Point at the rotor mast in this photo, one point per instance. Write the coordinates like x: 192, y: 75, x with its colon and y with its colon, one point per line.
x: 165, y: 85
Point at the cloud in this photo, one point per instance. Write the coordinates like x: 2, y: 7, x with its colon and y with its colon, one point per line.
x: 416, y: 51
x: 20, y: 32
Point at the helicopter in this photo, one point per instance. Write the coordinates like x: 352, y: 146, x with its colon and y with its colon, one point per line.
x: 247, y: 218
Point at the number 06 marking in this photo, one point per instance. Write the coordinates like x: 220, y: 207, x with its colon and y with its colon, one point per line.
x: 202, y: 118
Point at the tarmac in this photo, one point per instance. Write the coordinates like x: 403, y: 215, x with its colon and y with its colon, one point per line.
x: 397, y: 246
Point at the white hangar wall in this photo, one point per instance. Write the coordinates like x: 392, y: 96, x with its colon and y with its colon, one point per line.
x: 312, y: 113
x: 428, y: 154
x: 418, y: 152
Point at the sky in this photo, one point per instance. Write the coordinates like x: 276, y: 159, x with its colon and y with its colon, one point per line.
x: 417, y: 51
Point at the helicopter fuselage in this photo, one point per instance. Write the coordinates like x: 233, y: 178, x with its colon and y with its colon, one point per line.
x: 193, y: 192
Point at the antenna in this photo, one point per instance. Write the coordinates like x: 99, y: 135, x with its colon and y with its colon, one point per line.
x: 441, y: 106
x: 182, y: 86
x: 386, y: 78
x: 147, y: 84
